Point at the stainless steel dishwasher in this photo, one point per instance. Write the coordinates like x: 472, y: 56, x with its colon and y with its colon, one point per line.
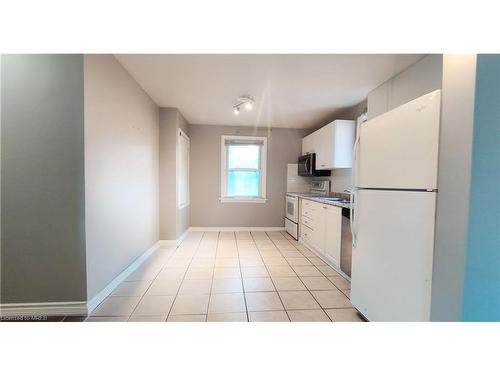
x: 346, y: 245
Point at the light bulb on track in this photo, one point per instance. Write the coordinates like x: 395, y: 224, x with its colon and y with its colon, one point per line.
x: 245, y: 101
x: 248, y: 106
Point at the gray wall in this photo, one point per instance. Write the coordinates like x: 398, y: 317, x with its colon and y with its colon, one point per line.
x: 455, y: 150
x: 121, y: 170
x: 183, y: 214
x: 174, y: 221
x: 42, y: 182
x: 167, y: 173
x: 419, y: 79
x: 284, y: 146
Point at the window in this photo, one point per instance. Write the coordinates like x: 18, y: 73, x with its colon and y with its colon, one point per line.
x: 182, y: 166
x: 243, y: 169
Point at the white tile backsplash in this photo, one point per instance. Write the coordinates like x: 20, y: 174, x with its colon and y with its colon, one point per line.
x: 340, y: 180
x: 296, y: 183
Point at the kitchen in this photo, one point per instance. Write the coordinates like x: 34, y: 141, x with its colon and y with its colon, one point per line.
x: 269, y: 197
x: 236, y: 174
x: 393, y: 197
x: 254, y: 187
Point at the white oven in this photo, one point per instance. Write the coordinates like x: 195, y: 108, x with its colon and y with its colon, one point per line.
x: 318, y: 188
x: 292, y: 208
x: 292, y: 215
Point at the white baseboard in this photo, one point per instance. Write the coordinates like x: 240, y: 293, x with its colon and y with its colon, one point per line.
x: 43, y: 308
x: 74, y: 308
x: 99, y: 297
x: 167, y: 243
x: 236, y: 229
x: 176, y: 242
x: 183, y: 236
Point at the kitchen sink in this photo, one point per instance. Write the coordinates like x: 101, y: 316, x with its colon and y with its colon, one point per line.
x: 338, y: 200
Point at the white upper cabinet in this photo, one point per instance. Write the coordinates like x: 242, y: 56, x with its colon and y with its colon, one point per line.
x: 332, y: 144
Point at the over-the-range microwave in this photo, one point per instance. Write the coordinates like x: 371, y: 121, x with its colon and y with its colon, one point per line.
x: 307, y: 166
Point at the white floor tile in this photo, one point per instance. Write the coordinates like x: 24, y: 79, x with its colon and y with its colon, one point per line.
x: 254, y: 271
x: 328, y: 271
x: 318, y: 283
x: 268, y: 316
x: 190, y: 304
x: 151, y: 318
x: 227, y: 273
x: 187, y: 318
x: 306, y: 271
x: 343, y: 315
x: 298, y: 300
x: 226, y: 303
x: 288, y: 283
x: 194, y: 273
x: 340, y: 282
x: 196, y: 286
x: 227, y: 286
x: 263, y: 301
x: 164, y: 287
x: 131, y: 288
x: 331, y: 299
x: 227, y: 317
x: 281, y: 271
x: 216, y: 277
x: 258, y: 284
x: 154, y: 305
x: 308, y: 316
x: 116, y: 306
x: 93, y: 319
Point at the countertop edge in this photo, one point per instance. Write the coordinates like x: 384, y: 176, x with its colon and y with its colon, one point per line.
x: 319, y: 200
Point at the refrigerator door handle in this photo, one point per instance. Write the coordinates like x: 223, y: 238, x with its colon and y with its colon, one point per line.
x: 355, y: 160
x: 353, y: 191
x: 351, y: 217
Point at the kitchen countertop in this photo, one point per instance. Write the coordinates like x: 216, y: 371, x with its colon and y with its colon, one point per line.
x: 324, y: 201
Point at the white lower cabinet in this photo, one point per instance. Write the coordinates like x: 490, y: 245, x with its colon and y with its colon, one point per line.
x: 333, y: 234
x: 321, y: 229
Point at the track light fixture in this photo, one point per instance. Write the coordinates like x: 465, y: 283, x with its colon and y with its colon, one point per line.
x: 245, y: 101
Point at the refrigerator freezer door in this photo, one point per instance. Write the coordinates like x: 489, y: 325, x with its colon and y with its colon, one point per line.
x: 392, y: 260
x: 399, y: 149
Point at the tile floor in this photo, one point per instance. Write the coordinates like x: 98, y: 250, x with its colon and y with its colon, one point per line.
x: 231, y: 277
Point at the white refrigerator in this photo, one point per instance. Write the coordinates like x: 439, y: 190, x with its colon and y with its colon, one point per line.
x: 394, y: 201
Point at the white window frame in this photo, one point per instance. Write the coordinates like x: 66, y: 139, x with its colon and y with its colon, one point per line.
x: 263, y: 170
x: 180, y: 135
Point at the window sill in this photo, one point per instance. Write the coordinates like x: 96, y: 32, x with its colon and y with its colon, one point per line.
x: 242, y: 200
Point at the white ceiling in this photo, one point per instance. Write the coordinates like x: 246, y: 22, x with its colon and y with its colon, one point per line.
x: 296, y: 91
